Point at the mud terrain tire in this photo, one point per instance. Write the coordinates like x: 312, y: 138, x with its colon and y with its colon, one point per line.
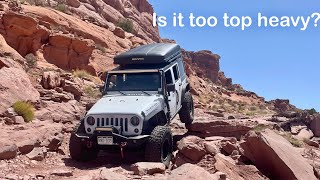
x: 186, y: 113
x: 159, y: 146
x: 78, y: 149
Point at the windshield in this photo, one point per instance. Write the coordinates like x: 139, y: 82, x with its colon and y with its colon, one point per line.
x: 146, y: 81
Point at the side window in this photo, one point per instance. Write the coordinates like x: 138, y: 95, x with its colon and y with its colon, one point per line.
x: 181, y: 69
x: 168, y: 77
x: 176, y: 72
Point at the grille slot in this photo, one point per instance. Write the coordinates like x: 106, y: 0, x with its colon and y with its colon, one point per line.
x: 121, y: 122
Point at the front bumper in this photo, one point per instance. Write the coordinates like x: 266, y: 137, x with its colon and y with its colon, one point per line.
x: 118, y: 140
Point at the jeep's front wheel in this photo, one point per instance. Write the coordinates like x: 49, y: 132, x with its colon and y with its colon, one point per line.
x: 186, y: 113
x: 79, y: 150
x: 159, y: 146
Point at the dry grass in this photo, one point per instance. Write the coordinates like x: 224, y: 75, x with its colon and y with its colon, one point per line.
x: 81, y: 74
x: 101, y: 48
x: 295, y: 142
x: 24, y: 109
x: 92, y: 92
x: 260, y: 128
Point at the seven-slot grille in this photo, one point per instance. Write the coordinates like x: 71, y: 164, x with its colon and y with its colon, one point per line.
x: 122, y: 122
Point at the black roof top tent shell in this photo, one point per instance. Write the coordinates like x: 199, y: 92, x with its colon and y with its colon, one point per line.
x: 152, y: 54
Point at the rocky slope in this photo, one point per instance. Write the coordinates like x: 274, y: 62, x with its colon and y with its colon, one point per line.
x: 53, y: 54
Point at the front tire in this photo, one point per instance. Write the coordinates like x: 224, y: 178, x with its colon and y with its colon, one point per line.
x: 186, y: 113
x: 160, y: 146
x: 79, y: 150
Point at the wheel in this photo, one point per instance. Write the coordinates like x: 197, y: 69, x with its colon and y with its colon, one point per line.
x: 78, y: 149
x: 186, y: 113
x: 159, y: 146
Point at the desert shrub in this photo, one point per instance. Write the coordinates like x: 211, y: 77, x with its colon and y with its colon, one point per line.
x: 312, y: 111
x: 81, y: 73
x: 126, y: 25
x: 61, y: 7
x: 92, y: 92
x: 35, y: 2
x: 101, y: 48
x: 24, y: 109
x: 253, y: 108
x: 295, y: 142
x: 31, y: 61
x: 260, y: 128
x: 250, y: 113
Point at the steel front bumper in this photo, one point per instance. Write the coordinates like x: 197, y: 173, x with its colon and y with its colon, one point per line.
x: 118, y: 140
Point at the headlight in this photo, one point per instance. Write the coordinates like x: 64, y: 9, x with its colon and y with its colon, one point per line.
x: 135, y: 121
x: 90, y: 120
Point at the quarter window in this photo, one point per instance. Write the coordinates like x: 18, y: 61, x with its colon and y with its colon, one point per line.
x: 175, y: 72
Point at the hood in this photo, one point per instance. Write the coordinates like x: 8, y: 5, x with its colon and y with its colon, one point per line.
x: 121, y: 104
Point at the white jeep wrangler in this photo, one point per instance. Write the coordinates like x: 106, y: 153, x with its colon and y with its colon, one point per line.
x: 140, y: 98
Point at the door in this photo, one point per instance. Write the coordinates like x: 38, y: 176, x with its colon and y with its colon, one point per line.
x: 172, y: 96
x: 178, y: 85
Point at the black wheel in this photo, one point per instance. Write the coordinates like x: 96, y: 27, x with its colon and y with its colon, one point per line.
x: 186, y: 113
x: 79, y: 150
x: 159, y: 147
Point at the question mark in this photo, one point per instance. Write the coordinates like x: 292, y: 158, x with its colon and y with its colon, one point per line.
x: 316, y: 19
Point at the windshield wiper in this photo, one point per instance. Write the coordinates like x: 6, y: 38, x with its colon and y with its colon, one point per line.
x: 146, y: 93
x: 122, y: 93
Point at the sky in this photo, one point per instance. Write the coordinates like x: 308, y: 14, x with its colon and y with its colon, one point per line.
x: 274, y: 62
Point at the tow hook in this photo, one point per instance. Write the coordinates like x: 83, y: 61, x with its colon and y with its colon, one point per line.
x: 89, y: 144
x: 122, y: 145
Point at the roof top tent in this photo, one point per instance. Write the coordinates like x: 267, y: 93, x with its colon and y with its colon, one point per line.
x: 155, y: 55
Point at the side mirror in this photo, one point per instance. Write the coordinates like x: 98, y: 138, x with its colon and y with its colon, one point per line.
x: 171, y: 87
x: 101, y: 88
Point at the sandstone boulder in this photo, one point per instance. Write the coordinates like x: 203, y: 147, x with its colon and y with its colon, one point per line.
x: 68, y: 52
x: 73, y: 3
x: 119, y: 32
x: 275, y: 156
x: 18, y: 120
x: 211, y: 147
x: 189, y: 171
x: 228, y: 147
x: 304, y: 133
x: 107, y: 174
x: 15, y: 85
x: 73, y: 88
x: 192, y: 147
x: 205, y: 128
x: 26, y: 146
x: 144, y: 168
x: 315, y: 125
x: 8, y: 151
x: 239, y: 172
x: 50, y: 80
x: 38, y: 154
x: 9, y: 56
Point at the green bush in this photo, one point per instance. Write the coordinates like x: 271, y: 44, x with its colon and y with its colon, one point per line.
x: 61, y: 7
x: 90, y: 91
x: 24, y: 109
x: 31, y: 60
x: 312, y: 111
x: 81, y: 73
x: 126, y: 25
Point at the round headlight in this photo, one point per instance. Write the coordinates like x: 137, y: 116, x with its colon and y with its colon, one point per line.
x: 135, y: 121
x: 90, y: 120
